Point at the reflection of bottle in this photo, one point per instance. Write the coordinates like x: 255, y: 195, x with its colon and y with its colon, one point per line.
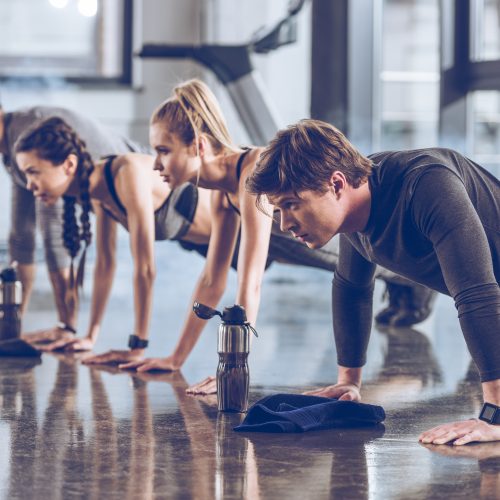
x: 231, y: 459
x: 233, y: 347
x: 10, y: 303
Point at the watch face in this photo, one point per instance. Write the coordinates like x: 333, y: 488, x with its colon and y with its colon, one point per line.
x: 135, y: 342
x: 488, y: 412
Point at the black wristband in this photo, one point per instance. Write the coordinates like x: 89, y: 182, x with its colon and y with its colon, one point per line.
x: 490, y: 413
x: 64, y: 326
x: 135, y: 342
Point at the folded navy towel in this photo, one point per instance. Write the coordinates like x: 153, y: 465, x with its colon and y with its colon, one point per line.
x: 300, y: 413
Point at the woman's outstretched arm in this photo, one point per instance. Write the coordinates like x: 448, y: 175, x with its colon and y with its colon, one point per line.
x: 209, y: 288
x: 104, y: 271
x: 134, y: 189
x: 254, y: 247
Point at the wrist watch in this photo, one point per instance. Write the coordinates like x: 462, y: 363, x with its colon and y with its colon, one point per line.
x: 64, y: 326
x: 490, y: 413
x: 135, y: 342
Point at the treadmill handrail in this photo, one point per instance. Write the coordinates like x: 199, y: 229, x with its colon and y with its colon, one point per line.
x: 228, y: 62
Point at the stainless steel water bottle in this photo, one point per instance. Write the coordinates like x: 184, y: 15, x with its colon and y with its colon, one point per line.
x: 233, y: 346
x: 11, y: 294
x: 11, y: 297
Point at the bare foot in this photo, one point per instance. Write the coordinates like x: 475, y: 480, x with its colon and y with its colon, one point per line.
x: 207, y: 386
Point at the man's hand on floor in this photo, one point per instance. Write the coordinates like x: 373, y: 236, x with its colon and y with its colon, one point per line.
x: 459, y: 433
x: 343, y: 392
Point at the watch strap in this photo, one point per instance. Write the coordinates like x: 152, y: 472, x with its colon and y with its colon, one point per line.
x: 135, y: 342
x: 490, y: 413
x: 64, y: 326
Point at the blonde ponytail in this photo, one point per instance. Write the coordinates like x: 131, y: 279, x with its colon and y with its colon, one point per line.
x: 193, y: 110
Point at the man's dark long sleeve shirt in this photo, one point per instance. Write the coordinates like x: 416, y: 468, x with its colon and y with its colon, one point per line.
x: 435, y: 219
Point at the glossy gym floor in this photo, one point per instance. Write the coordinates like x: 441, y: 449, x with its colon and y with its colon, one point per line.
x: 68, y: 431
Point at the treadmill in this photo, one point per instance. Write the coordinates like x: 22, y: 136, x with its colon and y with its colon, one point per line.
x: 232, y: 64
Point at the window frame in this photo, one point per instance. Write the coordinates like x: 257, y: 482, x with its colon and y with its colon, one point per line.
x: 123, y: 79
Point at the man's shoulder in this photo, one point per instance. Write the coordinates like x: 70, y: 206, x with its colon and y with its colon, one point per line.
x: 412, y: 157
x: 410, y: 164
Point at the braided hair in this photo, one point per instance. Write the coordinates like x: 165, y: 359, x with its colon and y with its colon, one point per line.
x: 54, y: 140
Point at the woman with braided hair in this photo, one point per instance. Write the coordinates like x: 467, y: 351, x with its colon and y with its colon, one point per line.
x: 29, y: 215
x: 72, y: 234
x: 120, y: 189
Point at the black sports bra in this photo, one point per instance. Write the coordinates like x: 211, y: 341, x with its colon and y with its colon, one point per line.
x: 238, y: 175
x: 110, y: 183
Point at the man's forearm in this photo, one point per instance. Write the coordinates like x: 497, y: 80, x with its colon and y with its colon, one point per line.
x: 352, y: 320
x: 491, y: 392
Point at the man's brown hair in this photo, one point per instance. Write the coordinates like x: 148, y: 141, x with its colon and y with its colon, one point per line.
x: 304, y: 157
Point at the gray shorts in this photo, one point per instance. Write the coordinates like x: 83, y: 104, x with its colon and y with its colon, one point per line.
x: 28, y: 212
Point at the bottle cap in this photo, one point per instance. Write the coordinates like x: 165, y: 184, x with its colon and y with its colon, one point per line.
x: 8, y: 275
x: 234, y: 315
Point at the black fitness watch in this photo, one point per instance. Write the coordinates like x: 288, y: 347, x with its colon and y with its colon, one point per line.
x: 64, y: 326
x: 135, y: 342
x: 490, y: 413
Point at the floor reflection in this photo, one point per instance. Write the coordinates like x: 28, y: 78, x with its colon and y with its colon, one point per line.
x: 17, y: 409
x: 323, y: 465
x: 102, y: 433
x: 72, y: 431
x: 409, y: 368
x: 486, y: 484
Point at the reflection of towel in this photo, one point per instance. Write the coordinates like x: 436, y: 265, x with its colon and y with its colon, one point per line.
x: 300, y: 413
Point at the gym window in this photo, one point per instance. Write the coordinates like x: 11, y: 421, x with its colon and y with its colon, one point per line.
x: 82, y: 41
x: 409, y: 74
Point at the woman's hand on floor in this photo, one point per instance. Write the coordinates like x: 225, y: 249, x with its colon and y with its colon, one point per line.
x: 459, y: 433
x: 150, y: 364
x: 114, y: 357
x: 47, y: 335
x: 69, y: 344
x: 342, y: 392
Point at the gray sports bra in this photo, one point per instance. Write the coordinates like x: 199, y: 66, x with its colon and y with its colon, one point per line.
x: 174, y: 217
